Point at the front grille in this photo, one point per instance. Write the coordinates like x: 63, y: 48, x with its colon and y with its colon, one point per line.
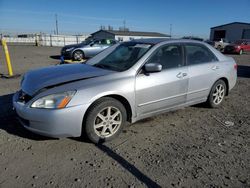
x: 23, y: 97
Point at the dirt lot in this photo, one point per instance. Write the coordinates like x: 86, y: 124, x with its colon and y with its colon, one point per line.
x: 191, y: 147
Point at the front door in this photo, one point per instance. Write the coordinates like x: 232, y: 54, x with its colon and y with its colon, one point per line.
x: 168, y: 88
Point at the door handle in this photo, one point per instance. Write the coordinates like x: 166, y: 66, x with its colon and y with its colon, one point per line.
x: 181, y: 75
x: 215, y: 67
x: 184, y: 74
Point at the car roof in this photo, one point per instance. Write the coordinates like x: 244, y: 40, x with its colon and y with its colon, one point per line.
x: 151, y: 40
x: 154, y: 41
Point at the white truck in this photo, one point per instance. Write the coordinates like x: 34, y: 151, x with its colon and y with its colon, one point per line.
x: 221, y: 44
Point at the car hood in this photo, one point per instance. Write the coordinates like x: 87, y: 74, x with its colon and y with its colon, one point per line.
x: 36, y: 80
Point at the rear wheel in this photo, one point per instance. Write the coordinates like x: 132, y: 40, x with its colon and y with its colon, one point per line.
x: 105, y: 120
x: 219, y: 47
x: 78, y: 55
x: 217, y: 94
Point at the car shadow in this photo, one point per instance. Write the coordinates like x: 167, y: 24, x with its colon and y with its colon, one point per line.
x: 57, y: 57
x: 128, y: 166
x: 9, y: 122
x: 243, y: 71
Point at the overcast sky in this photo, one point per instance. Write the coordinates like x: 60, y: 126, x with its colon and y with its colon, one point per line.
x: 188, y: 17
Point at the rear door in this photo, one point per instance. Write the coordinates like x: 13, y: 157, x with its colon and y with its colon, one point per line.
x: 168, y: 88
x: 203, y: 67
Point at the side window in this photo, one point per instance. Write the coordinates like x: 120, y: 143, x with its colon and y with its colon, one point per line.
x: 169, y: 56
x: 197, y: 54
x: 97, y: 42
x: 104, y: 41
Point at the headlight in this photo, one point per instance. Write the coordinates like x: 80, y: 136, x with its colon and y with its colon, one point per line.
x: 54, y: 101
x: 69, y: 49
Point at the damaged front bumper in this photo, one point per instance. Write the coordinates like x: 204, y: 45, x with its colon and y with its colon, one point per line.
x: 66, y: 122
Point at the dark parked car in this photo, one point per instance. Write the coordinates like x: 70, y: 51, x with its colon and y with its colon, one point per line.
x: 212, y: 43
x: 238, y: 47
x: 86, y: 49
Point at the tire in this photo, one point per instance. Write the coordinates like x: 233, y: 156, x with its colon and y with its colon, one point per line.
x: 219, y: 48
x: 240, y: 52
x: 78, y: 55
x: 98, y: 125
x: 217, y: 94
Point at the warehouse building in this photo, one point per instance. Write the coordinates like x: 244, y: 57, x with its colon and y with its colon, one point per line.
x: 232, y: 31
x: 126, y: 35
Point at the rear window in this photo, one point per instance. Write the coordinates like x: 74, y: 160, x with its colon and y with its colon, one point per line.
x: 198, y: 54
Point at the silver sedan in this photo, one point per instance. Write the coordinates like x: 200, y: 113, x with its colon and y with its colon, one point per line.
x: 124, y: 83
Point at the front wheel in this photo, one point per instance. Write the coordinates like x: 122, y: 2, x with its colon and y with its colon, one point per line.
x: 78, y: 55
x: 217, y: 94
x: 105, y: 120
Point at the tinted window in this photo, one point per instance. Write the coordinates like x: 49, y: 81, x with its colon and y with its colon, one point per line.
x: 105, y: 41
x: 169, y: 56
x: 197, y: 54
x: 108, y: 42
x: 97, y: 42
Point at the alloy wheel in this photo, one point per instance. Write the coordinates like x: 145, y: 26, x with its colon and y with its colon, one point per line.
x: 78, y: 55
x: 218, y: 94
x: 107, y: 121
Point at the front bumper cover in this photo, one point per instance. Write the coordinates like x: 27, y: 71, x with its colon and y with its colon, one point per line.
x: 66, y: 122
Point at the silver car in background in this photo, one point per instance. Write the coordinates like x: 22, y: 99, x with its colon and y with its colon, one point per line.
x: 124, y: 83
x: 86, y: 49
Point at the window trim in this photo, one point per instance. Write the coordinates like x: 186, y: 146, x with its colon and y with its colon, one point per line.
x: 200, y: 45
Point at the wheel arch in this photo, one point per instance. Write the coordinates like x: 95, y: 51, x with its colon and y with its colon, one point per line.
x: 77, y: 49
x: 226, y: 82
x: 119, y: 98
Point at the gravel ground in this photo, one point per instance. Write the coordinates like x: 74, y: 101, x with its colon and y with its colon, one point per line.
x: 191, y: 147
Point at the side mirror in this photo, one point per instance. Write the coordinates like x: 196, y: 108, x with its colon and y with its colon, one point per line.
x: 152, y: 67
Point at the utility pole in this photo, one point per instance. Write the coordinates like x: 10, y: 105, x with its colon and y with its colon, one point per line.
x: 124, y: 25
x: 56, y: 24
x: 170, y: 30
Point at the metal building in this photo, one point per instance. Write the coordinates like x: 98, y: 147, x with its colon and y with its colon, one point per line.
x: 231, y: 31
x: 126, y: 35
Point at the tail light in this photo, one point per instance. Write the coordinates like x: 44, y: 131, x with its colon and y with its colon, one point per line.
x: 235, y: 66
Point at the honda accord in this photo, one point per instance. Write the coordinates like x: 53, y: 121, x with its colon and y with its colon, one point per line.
x: 124, y: 83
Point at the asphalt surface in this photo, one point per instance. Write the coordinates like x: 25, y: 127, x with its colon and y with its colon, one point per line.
x: 191, y: 147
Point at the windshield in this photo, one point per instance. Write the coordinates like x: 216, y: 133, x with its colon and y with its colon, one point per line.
x: 123, y: 56
x: 87, y: 41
